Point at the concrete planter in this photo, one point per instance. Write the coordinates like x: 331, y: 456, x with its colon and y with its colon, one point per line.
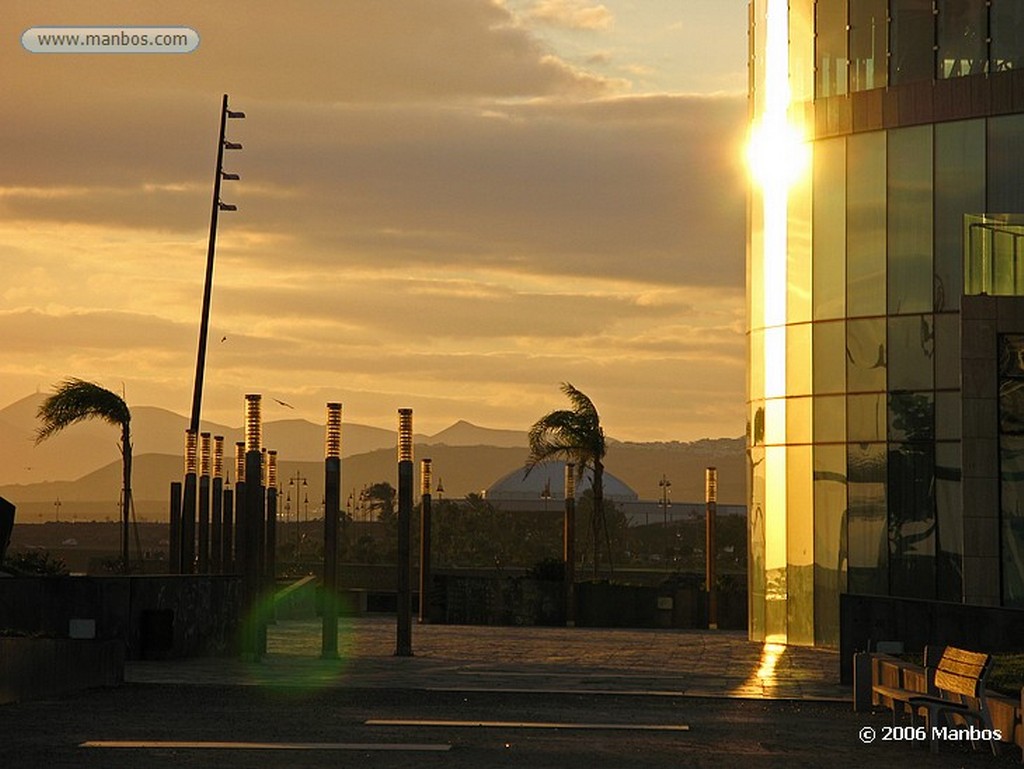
x: 39, y: 668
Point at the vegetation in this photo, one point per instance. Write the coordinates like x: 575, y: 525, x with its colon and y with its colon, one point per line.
x: 576, y: 435
x: 74, y: 400
x: 34, y: 563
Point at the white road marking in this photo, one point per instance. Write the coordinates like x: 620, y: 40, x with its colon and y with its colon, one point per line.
x: 529, y: 725
x: 224, y: 745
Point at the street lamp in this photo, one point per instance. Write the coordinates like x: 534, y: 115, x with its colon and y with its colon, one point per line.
x: 666, y: 486
x: 216, y: 208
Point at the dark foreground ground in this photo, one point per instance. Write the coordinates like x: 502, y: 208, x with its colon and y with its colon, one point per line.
x: 327, y: 727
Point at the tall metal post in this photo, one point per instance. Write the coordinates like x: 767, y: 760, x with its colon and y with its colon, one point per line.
x: 711, y: 545
x: 425, y: 576
x: 569, y: 544
x: 174, y: 534
x: 227, y: 544
x: 188, y: 506
x: 217, y: 207
x: 217, y: 507
x: 235, y: 543
x: 271, y: 529
x: 404, y: 636
x: 205, y: 467
x: 332, y: 511
x: 251, y: 534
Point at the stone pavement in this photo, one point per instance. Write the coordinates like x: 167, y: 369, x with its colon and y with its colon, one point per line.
x: 694, y: 663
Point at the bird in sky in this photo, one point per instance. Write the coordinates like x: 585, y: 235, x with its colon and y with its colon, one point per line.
x: 286, y: 405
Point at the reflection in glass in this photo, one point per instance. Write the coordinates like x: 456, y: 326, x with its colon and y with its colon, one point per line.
x: 865, y: 417
x: 963, y: 29
x: 949, y: 514
x: 829, y: 540
x: 865, y: 354
x: 947, y: 351
x: 798, y: 359
x: 868, y: 33
x: 829, y: 356
x: 756, y: 579
x: 911, y: 352
x: 1005, y: 164
x: 1007, y: 29
x: 912, y: 36
x: 798, y: 420
x: 829, y: 419
x: 911, y: 416
x: 867, y: 530
x: 910, y: 220
x: 829, y: 228
x: 911, y: 520
x: 830, y: 48
x: 866, y: 231
x: 959, y: 189
x: 800, y: 546
x: 1011, y: 471
x: 947, y: 415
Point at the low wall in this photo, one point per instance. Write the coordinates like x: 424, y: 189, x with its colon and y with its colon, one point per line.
x: 155, y: 617
x: 866, y: 619
x: 38, y: 668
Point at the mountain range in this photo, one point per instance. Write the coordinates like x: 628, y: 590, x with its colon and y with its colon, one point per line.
x: 81, y: 466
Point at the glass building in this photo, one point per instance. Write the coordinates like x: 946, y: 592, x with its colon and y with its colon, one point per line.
x: 885, y: 274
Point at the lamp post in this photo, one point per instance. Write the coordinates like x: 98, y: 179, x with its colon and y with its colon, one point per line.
x: 404, y: 634
x: 665, y: 485
x: 271, y: 530
x: 332, y: 504
x: 252, y: 528
x: 217, y: 507
x: 188, y: 506
x: 711, y: 502
x: 569, y: 543
x: 426, y: 475
x: 217, y: 207
x: 205, y: 468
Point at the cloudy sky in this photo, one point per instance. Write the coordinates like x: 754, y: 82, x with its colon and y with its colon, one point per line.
x: 451, y: 205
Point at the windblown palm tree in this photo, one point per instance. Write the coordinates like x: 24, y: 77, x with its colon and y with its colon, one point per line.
x: 574, y: 435
x: 74, y: 400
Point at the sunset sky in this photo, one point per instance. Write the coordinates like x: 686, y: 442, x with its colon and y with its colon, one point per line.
x: 451, y: 205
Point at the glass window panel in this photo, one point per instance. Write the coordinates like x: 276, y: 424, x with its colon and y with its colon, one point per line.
x: 868, y: 34
x: 947, y: 351
x: 950, y: 519
x: 1011, y: 355
x: 829, y: 541
x: 1011, y: 406
x: 798, y: 359
x: 1007, y: 29
x: 829, y: 419
x: 909, y: 196
x: 865, y: 233
x: 911, y: 350
x: 756, y: 581
x: 959, y: 190
x: 1011, y: 472
x: 829, y: 228
x: 911, y: 416
x: 1005, y: 164
x: 798, y: 251
x: 755, y: 373
x: 912, y: 39
x: 865, y: 417
x: 947, y: 415
x: 911, y: 519
x: 799, y: 545
x: 865, y: 354
x: 801, y: 49
x: 775, y: 421
x: 867, y: 521
x: 829, y: 357
x: 830, y: 48
x: 963, y: 29
x: 798, y: 420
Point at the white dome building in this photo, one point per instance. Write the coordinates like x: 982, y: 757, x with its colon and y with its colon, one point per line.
x: 547, y: 481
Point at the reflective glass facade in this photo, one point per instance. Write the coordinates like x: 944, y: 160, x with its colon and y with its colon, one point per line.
x: 870, y: 383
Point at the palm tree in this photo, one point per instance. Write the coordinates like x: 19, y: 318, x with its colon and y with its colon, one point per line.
x: 574, y: 435
x: 74, y: 400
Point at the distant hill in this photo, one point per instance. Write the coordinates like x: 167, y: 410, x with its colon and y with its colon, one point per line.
x: 81, y: 466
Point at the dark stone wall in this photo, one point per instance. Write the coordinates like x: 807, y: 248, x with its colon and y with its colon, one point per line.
x: 153, y: 616
x: 40, y: 668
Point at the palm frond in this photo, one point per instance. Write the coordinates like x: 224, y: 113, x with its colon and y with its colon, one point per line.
x: 574, y: 435
x: 74, y: 400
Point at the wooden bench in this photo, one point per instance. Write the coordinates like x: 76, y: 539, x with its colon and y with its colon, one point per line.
x: 956, y: 686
